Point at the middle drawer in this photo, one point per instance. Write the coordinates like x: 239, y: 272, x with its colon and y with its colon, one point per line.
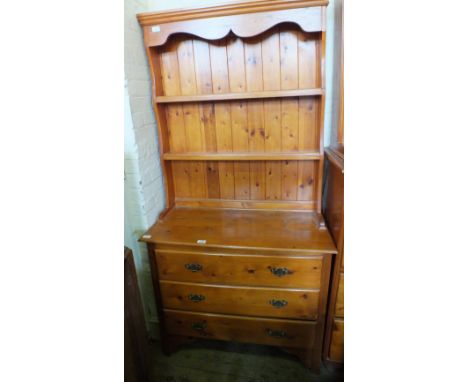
x: 249, y: 301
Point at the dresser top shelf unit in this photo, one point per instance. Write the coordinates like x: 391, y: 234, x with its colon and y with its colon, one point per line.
x: 238, y: 93
x: 231, y: 228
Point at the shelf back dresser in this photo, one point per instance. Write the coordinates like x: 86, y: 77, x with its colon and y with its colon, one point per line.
x: 241, y: 251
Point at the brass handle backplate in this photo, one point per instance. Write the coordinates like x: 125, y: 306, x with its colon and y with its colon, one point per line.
x: 194, y: 267
x: 196, y: 297
x: 277, y: 334
x: 199, y: 326
x: 278, y: 303
x: 280, y: 272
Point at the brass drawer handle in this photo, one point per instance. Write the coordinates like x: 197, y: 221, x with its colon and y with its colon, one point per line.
x: 277, y: 334
x: 280, y: 272
x: 194, y: 267
x: 196, y: 297
x: 278, y: 303
x: 199, y: 326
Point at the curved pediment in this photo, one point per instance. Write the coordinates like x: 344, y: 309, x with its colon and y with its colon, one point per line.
x: 309, y: 19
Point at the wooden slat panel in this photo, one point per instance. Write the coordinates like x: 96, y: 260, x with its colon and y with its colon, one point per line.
x: 188, y: 85
x: 193, y: 132
x: 290, y: 124
x: 226, y: 180
x: 337, y: 341
x: 307, y: 125
x: 223, y: 127
x: 306, y: 178
x: 212, y: 180
x: 289, y: 121
x: 177, y: 141
x: 170, y: 69
x: 308, y: 77
x: 288, y: 59
x: 175, y: 125
x: 256, y: 144
x: 272, y: 112
x: 289, y: 110
x: 181, y: 172
x: 240, y: 136
x: 271, y: 61
x: 224, y: 144
x: 256, y: 124
x: 282, y: 59
x: 201, y: 56
x: 308, y: 128
x: 240, y: 133
x: 195, y: 142
x: 220, y: 80
x: 339, y: 307
x: 235, y: 57
x: 307, y: 56
x: 219, y: 68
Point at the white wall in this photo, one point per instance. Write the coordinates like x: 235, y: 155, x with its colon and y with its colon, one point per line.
x: 144, y: 193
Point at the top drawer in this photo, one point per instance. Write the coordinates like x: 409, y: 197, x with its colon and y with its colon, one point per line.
x: 255, y: 270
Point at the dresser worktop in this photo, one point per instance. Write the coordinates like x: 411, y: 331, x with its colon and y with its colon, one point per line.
x: 289, y: 230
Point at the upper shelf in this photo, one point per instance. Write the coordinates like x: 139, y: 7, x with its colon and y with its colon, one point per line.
x: 236, y: 96
x: 244, y: 156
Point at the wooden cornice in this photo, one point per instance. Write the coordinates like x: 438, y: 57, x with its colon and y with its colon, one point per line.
x: 226, y: 9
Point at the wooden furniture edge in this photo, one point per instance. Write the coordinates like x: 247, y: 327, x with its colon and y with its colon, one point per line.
x: 239, y: 247
x: 226, y: 9
x: 336, y: 156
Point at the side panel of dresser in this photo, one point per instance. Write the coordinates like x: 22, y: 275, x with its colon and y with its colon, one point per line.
x: 334, y: 216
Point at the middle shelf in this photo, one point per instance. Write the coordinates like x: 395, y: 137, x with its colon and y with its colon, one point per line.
x: 244, y: 156
x: 240, y: 96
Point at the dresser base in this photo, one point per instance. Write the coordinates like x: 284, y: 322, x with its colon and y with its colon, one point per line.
x: 308, y: 357
x: 253, y: 277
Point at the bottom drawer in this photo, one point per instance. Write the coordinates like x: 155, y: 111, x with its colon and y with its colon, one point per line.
x: 288, y: 333
x: 337, y: 341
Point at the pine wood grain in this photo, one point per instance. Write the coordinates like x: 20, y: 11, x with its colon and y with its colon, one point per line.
x: 240, y: 300
x: 295, y: 333
x: 290, y: 230
x: 240, y: 269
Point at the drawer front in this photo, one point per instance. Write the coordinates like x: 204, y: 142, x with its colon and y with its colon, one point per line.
x: 249, y: 301
x: 288, y: 333
x: 255, y: 270
x: 339, y: 307
x: 337, y: 341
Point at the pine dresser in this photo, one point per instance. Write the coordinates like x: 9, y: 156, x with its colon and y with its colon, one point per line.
x: 241, y: 251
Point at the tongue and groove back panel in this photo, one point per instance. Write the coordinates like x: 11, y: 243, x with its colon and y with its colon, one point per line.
x: 282, y: 58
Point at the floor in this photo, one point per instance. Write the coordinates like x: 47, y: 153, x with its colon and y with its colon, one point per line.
x: 216, y: 361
